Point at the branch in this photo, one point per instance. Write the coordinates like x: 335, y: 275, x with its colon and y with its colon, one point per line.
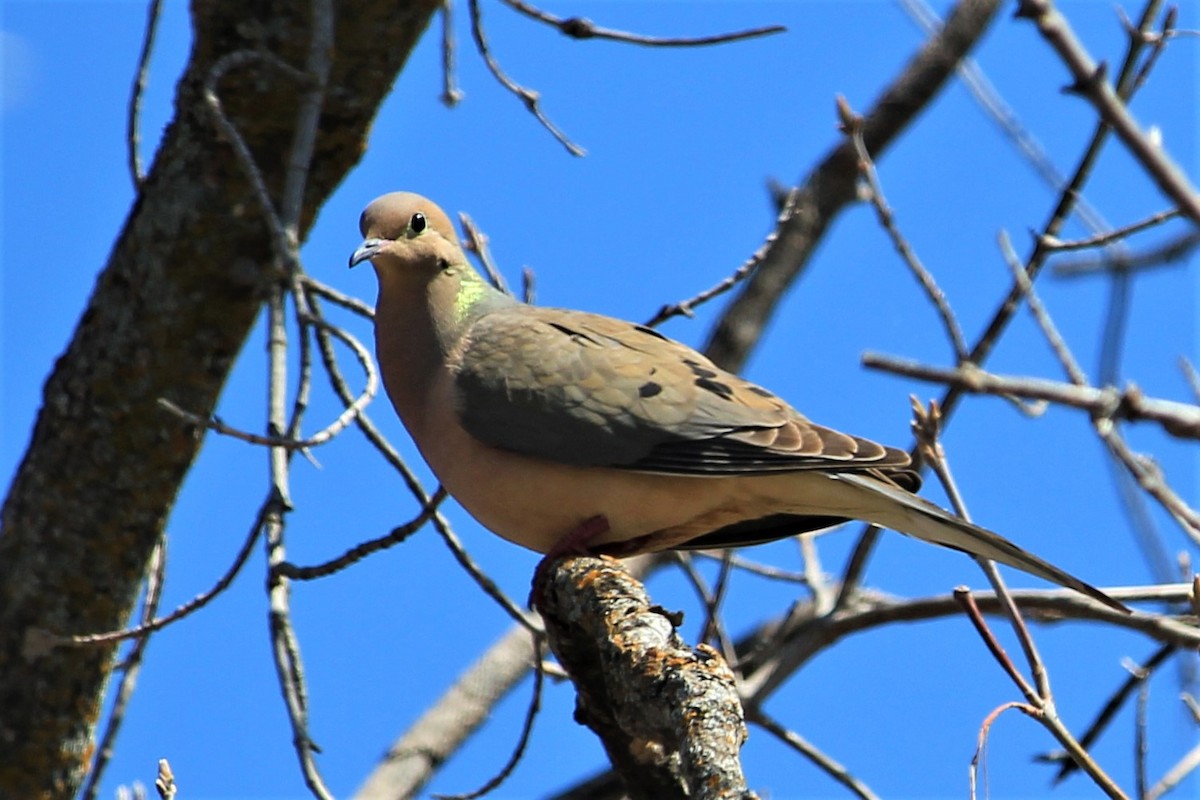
x: 668, y: 715
x: 1181, y: 420
x: 1091, y: 81
x: 583, y: 28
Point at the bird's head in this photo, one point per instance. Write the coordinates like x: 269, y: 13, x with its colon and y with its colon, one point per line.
x: 406, y: 236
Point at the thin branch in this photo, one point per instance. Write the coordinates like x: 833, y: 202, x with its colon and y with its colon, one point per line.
x: 1040, y: 315
x: 1193, y: 377
x: 481, y: 578
x: 965, y: 599
x: 1140, y: 745
x: 753, y: 567
x: 583, y: 28
x: 686, y: 308
x: 131, y: 666
x: 530, y: 98
x: 1109, y: 710
x: 284, y: 244
x: 982, y: 738
x: 451, y: 93
x: 800, y: 634
x: 364, y: 549
x: 477, y: 243
x: 852, y: 125
x: 1175, y: 775
x: 926, y: 426
x: 164, y: 781
x: 994, y: 105
x: 1043, y: 707
x: 712, y: 629
x: 195, y: 604
x: 535, y: 703
x: 1179, y: 419
x: 1055, y: 245
x: 807, y: 749
x: 1091, y: 81
x: 141, y: 77
x: 338, y: 297
x: 1170, y: 252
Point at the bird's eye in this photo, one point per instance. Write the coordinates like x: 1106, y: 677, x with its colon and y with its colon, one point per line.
x: 418, y: 222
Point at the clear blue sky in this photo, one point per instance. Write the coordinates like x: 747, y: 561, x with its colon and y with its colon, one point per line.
x: 670, y: 199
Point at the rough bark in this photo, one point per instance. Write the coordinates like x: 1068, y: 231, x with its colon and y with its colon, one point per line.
x: 668, y: 714
x: 169, y: 313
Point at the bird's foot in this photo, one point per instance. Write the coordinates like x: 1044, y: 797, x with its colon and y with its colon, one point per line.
x: 574, y: 543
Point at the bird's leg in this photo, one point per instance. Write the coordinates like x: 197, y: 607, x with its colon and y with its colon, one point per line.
x: 574, y: 543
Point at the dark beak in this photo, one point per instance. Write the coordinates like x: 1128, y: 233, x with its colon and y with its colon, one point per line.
x: 367, y: 250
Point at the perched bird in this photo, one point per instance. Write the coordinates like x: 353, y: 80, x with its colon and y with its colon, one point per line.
x: 565, y: 431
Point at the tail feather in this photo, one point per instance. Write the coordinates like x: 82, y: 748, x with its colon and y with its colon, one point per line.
x: 912, y: 515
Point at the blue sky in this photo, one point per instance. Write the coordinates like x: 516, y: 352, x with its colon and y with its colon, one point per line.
x: 669, y: 200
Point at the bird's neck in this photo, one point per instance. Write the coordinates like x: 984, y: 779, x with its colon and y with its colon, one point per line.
x: 418, y: 338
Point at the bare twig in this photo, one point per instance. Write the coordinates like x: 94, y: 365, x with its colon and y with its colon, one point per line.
x: 1140, y: 746
x: 982, y: 738
x: 283, y: 243
x: 193, y: 605
x: 1040, y: 707
x: 1091, y: 81
x: 712, y: 629
x: 164, y: 783
x: 1179, y: 419
x: 582, y: 28
x: 686, y: 307
x: 1040, y: 315
x: 529, y: 97
x: 131, y: 666
x: 1175, y: 775
x: 451, y: 93
x: 852, y: 125
x: 1193, y: 377
x: 370, y: 389
x: 481, y: 578
x: 1170, y: 252
x: 342, y: 299
x: 477, y: 243
x: 1109, y: 710
x: 364, y: 549
x: 132, y: 135
x: 753, y: 567
x: 994, y: 105
x: 285, y: 647
x: 963, y: 596
x: 926, y: 426
x: 805, y: 748
x: 535, y: 703
x: 1055, y: 245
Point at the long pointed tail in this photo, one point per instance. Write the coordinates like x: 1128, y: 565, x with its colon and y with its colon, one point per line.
x: 917, y: 517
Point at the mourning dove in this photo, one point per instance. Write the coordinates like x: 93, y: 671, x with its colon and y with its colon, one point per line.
x: 563, y: 431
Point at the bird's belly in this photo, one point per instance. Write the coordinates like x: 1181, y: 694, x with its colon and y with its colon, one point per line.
x: 534, y: 502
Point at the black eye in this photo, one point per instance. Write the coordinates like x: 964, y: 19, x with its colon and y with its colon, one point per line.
x: 418, y: 222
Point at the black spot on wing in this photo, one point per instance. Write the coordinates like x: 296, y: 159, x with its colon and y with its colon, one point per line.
x: 699, y: 370
x: 649, y: 389
x: 722, y: 390
x: 761, y: 392
x: 572, y: 333
x: 650, y: 332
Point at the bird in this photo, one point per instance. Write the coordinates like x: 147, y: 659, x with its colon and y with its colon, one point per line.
x: 566, y: 432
